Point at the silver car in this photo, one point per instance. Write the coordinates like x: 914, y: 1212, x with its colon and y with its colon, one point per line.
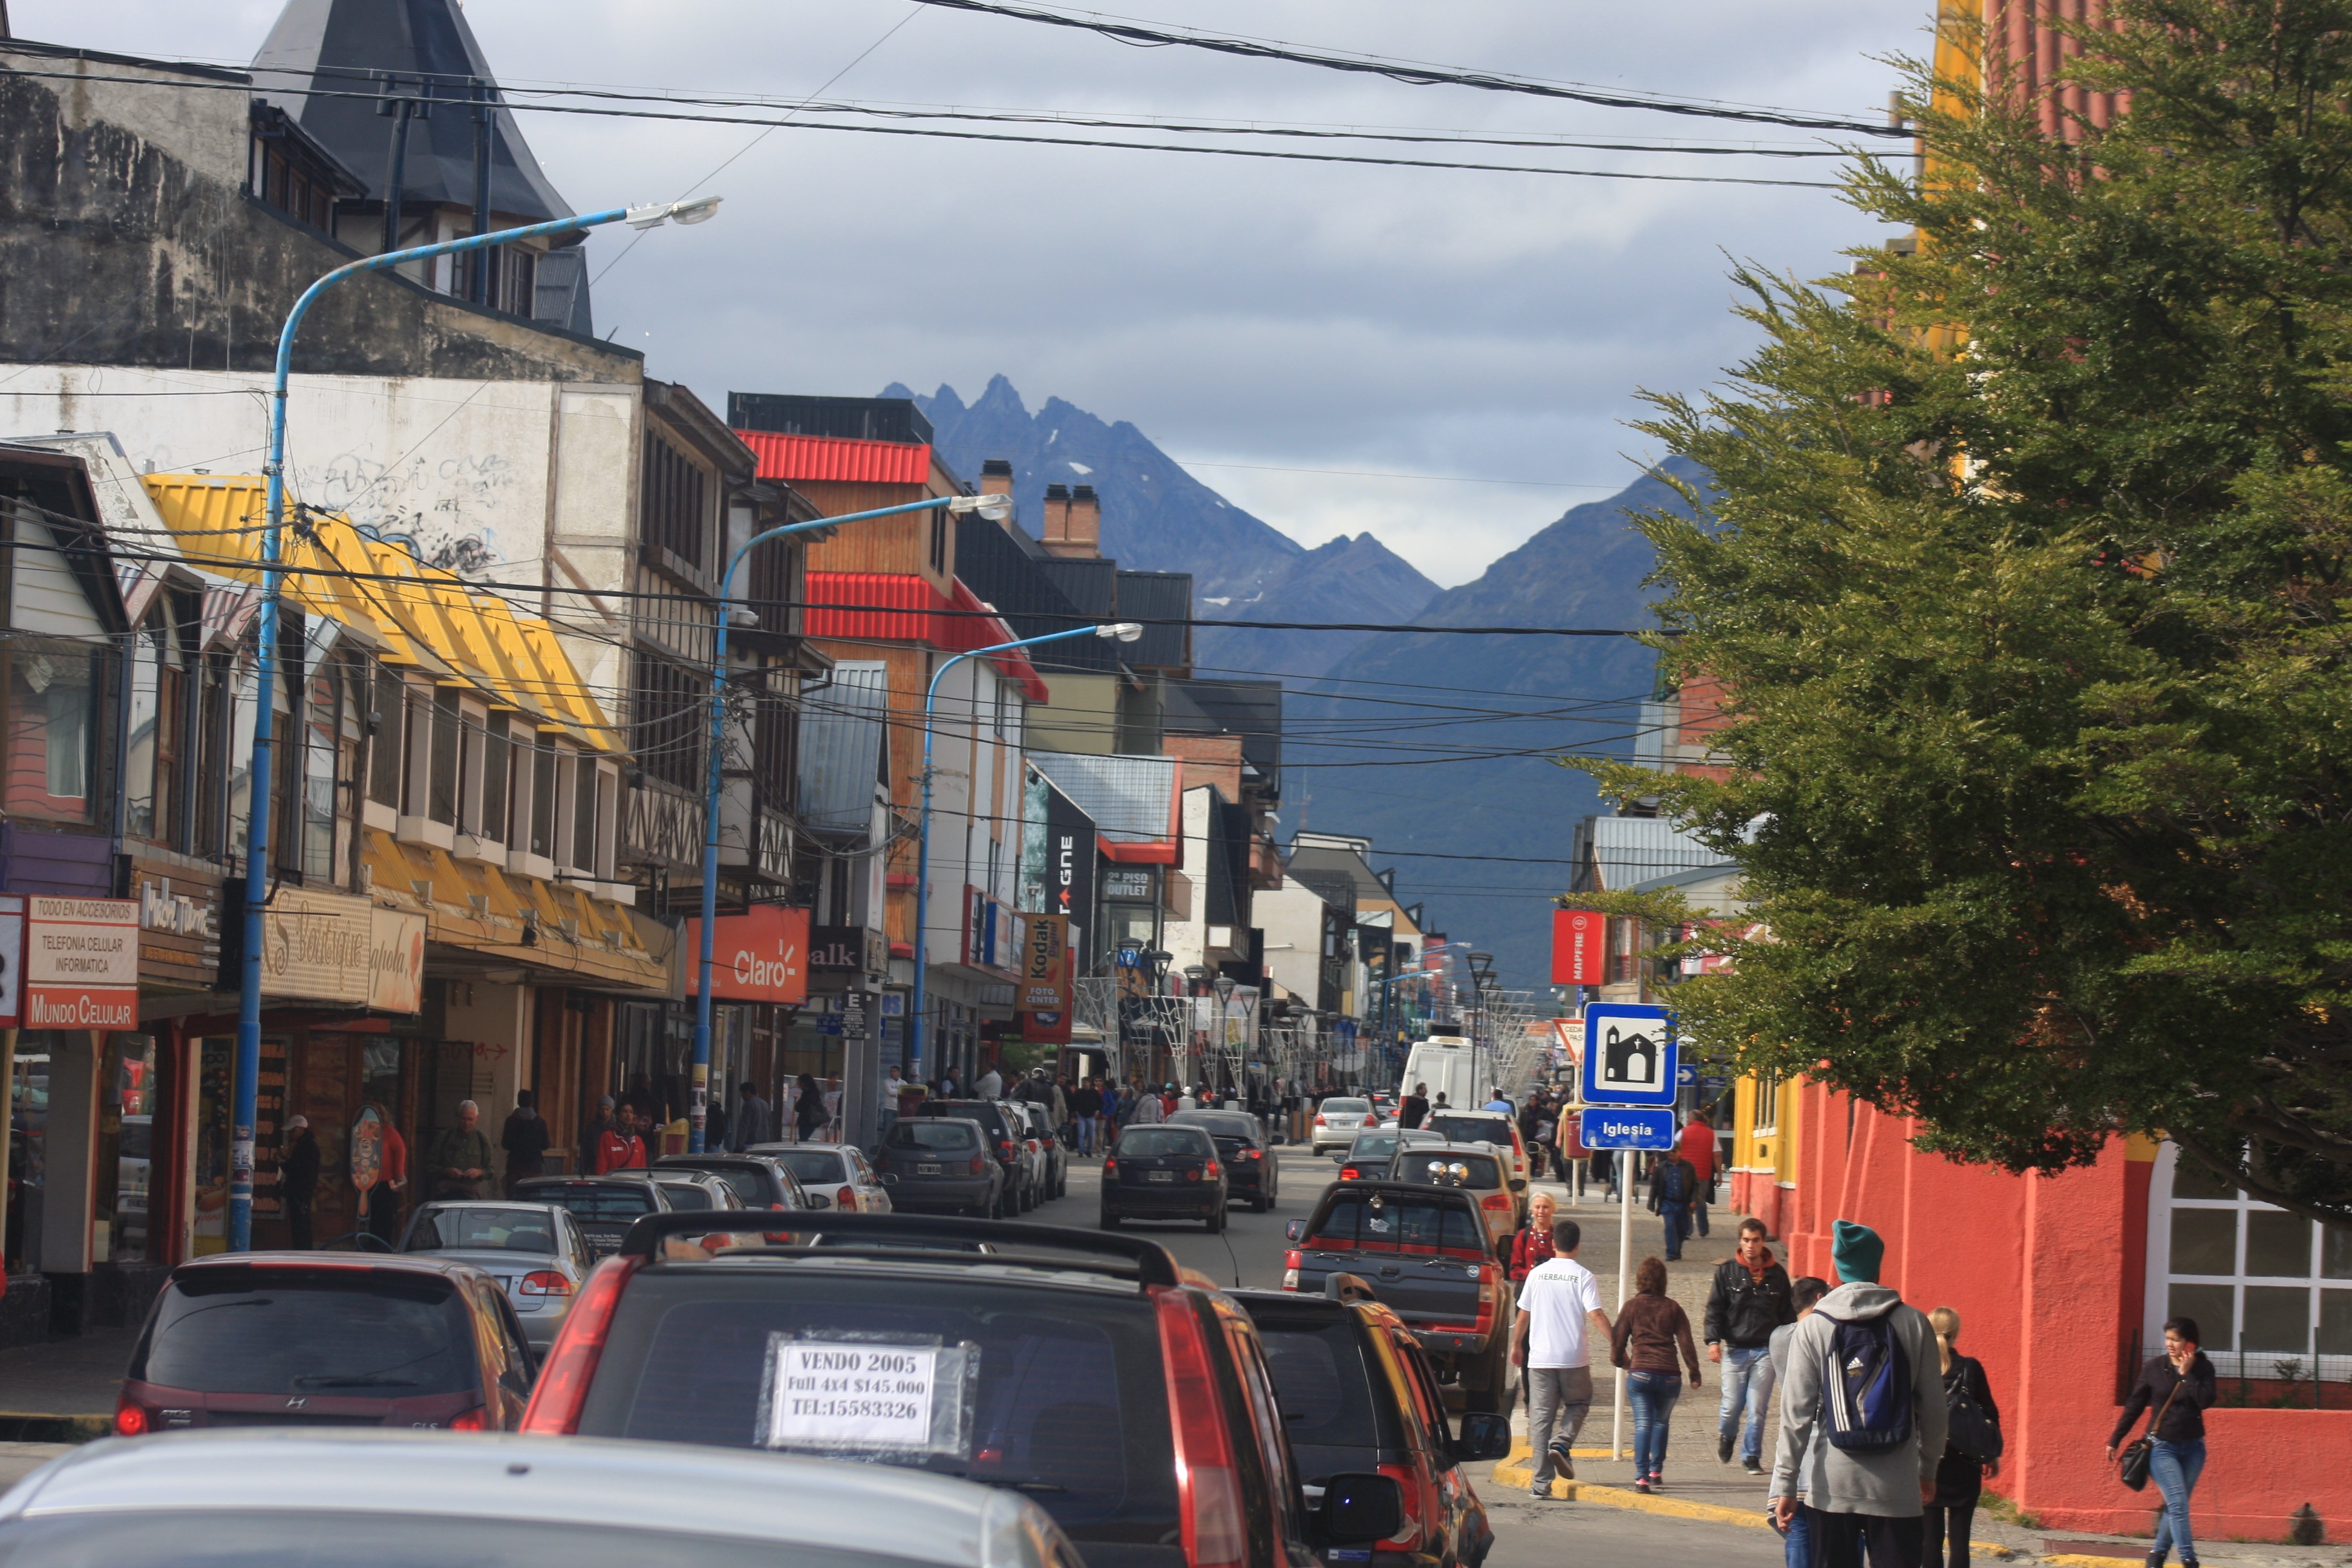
x: 1337, y: 1120
x: 684, y: 1189
x: 535, y: 1252
x: 834, y: 1175
x: 327, y: 1498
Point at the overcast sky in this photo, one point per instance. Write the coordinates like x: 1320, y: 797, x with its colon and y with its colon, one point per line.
x: 1250, y: 317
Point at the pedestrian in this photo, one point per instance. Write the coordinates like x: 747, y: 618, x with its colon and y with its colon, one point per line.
x: 1531, y: 1248
x: 2179, y: 1386
x: 1971, y: 1446
x: 1603, y: 1168
x: 1085, y: 1106
x: 808, y: 1108
x: 392, y: 1179
x: 1870, y: 1465
x: 594, y: 1133
x: 1532, y: 1133
x: 618, y: 1147
x: 1698, y: 1147
x: 1650, y: 1331
x: 991, y: 1084
x: 459, y: 1165
x: 714, y: 1121
x: 642, y: 1100
x: 1560, y: 1303
x: 297, y: 1180
x: 1674, y: 1186
x: 525, y: 1140
x: 1797, y: 1541
x: 832, y: 1099
x: 1499, y: 1105
x: 755, y: 1119
x: 1749, y: 1298
x: 1439, y: 1103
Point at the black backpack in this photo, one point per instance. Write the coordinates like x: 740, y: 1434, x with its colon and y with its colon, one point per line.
x: 1970, y: 1427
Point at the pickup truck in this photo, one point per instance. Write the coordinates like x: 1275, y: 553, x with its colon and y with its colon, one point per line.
x: 1424, y: 1253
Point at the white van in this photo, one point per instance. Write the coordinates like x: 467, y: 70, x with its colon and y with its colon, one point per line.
x: 1451, y: 1066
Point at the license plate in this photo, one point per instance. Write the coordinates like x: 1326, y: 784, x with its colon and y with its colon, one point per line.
x: 927, y: 1169
x: 1158, y: 1176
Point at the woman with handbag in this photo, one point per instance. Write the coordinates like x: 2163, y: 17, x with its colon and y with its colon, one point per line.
x: 2180, y: 1384
x: 1972, y: 1445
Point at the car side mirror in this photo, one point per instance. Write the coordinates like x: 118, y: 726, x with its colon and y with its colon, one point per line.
x: 1482, y: 1435
x: 819, y: 1201
x: 1294, y: 1231
x: 1519, y: 1183
x: 1359, y: 1507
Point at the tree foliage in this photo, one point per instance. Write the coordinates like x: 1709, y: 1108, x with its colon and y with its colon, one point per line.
x: 2028, y: 565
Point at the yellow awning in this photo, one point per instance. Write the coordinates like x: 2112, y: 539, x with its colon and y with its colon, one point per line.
x: 520, y: 920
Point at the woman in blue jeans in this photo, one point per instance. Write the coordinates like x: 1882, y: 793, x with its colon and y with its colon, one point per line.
x: 2178, y: 1386
x: 1649, y: 1332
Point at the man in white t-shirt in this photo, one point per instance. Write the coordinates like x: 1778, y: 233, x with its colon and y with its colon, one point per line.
x: 1559, y: 1300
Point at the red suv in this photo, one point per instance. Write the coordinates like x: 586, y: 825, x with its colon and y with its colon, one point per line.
x: 301, y: 1339
x: 1127, y: 1398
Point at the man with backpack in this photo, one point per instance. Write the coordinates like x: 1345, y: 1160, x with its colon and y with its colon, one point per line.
x: 1674, y: 1187
x: 1862, y: 1417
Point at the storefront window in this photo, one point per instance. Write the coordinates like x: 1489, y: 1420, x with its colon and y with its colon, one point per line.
x: 2266, y: 1288
x: 121, y: 1232
x: 214, y: 1057
x: 53, y: 729
x: 28, y: 1141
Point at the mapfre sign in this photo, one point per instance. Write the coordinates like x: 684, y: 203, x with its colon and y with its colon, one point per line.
x: 81, y: 963
x: 1579, y: 947
x: 760, y: 955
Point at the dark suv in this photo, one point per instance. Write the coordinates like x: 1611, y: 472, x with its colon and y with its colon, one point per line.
x: 1129, y: 1400
x: 1005, y: 1137
x: 1164, y: 1172
x: 1357, y: 1393
x: 1250, y: 1165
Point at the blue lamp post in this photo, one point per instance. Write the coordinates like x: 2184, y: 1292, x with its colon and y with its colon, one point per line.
x: 1121, y: 631
x: 995, y: 507
x: 245, y: 1090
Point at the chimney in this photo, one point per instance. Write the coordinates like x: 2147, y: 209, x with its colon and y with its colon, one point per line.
x: 996, y: 479
x: 1072, y: 522
x: 1055, y: 527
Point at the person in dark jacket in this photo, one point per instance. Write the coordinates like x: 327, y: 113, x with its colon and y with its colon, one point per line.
x: 525, y: 1140
x: 1749, y: 1298
x: 1414, y: 1109
x: 297, y: 1180
x: 2178, y: 1428
x: 1959, y: 1478
x: 808, y: 1109
x: 1649, y: 1332
x: 1673, y: 1193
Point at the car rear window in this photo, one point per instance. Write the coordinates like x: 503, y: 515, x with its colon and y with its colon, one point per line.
x: 1472, y: 1128
x: 616, y: 1201
x: 819, y: 1166
x: 927, y: 1135
x: 1158, y: 1143
x: 749, y: 1184
x: 1395, y: 1222
x: 490, y: 1230
x: 686, y: 1199
x: 987, y: 1114
x: 1347, y: 1107
x: 1373, y: 1146
x: 1474, y: 1172
x: 1219, y: 1124
x: 1321, y: 1381
x: 344, y: 1333
x: 1067, y: 1393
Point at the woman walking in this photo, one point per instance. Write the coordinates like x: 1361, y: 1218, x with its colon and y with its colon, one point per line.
x: 1648, y: 1332
x: 808, y: 1109
x: 1959, y: 1478
x: 2179, y: 1386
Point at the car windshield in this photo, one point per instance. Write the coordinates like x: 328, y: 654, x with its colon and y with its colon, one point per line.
x: 606, y: 1201
x: 1158, y: 1143
x: 341, y: 1333
x: 1460, y: 1129
x: 951, y: 1135
x: 818, y: 1166
x: 686, y: 1197
x: 1059, y: 1393
x: 1347, y: 1106
x: 493, y: 1230
x: 1395, y: 1222
x: 1448, y: 1168
x: 1320, y: 1382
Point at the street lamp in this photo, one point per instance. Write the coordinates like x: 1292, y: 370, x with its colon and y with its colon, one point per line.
x: 1117, y: 631
x: 995, y: 508
x: 246, y: 1088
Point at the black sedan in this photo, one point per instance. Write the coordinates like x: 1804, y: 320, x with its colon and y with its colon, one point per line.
x: 1164, y: 1172
x: 1252, y: 1173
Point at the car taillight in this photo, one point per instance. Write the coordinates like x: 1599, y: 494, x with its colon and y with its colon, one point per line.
x: 1489, y: 1275
x: 1009, y: 1152
x: 846, y: 1199
x: 1319, y: 1118
x: 474, y: 1420
x: 129, y: 1418
x: 1194, y: 1175
x: 1214, y: 1170
x: 978, y: 1164
x: 1290, y: 1266
x: 1349, y: 1173
x: 570, y: 1366
x: 1253, y: 1154
x: 545, y: 1282
x: 1408, y: 1535
x: 1111, y: 1166
x: 1496, y: 1201
x: 1208, y: 1492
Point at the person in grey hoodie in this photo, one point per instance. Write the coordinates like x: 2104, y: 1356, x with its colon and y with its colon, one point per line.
x: 1853, y: 1496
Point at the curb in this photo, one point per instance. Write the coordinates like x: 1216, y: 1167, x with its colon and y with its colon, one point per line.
x: 25, y: 1426
x: 1521, y: 1475
x: 2084, y: 1559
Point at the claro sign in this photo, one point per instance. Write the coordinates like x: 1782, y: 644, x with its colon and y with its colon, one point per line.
x: 81, y: 963
x: 759, y: 955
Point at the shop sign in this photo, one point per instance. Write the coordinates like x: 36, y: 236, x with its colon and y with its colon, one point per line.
x: 81, y: 963
x: 12, y: 959
x: 395, y: 962
x: 1042, y: 998
x: 853, y: 949
x: 317, y: 945
x: 1579, y: 946
x: 1128, y: 882
x: 759, y: 955
x: 178, y: 931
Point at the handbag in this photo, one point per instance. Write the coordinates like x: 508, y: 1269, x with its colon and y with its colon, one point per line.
x: 1972, y: 1431
x: 2137, y: 1454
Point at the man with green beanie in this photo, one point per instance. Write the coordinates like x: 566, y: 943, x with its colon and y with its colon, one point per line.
x: 1862, y: 1414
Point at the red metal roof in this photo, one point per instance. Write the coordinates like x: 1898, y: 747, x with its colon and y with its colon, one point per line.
x: 895, y: 606
x: 834, y: 458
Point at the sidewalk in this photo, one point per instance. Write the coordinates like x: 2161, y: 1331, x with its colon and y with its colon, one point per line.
x: 63, y: 1392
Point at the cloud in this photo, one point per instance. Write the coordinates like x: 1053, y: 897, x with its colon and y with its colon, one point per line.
x: 1298, y: 315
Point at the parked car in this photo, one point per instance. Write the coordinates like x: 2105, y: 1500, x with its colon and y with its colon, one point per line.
x: 760, y: 1178
x: 1424, y: 1252
x: 1487, y: 1127
x: 1367, y: 1159
x: 1252, y: 1173
x: 603, y: 1206
x: 1385, y: 1109
x: 1357, y: 1393
x: 833, y: 1175
x: 934, y: 1163
x: 534, y: 1251
x: 1478, y: 1170
x: 1164, y: 1172
x: 1051, y: 1155
x: 302, y: 1339
x: 1337, y: 1120
x: 1125, y: 1398
x: 684, y: 1190
x: 395, y: 1500
x: 1020, y: 1191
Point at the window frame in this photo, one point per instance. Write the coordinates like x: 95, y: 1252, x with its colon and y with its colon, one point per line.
x: 2164, y: 1205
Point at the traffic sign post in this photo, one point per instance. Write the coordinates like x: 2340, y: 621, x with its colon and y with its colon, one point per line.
x: 1631, y: 1055
x: 1605, y: 1126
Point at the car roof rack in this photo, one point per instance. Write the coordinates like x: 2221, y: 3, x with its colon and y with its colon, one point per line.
x: 1151, y: 1261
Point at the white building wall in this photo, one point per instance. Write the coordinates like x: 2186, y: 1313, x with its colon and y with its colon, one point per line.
x: 1292, y: 918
